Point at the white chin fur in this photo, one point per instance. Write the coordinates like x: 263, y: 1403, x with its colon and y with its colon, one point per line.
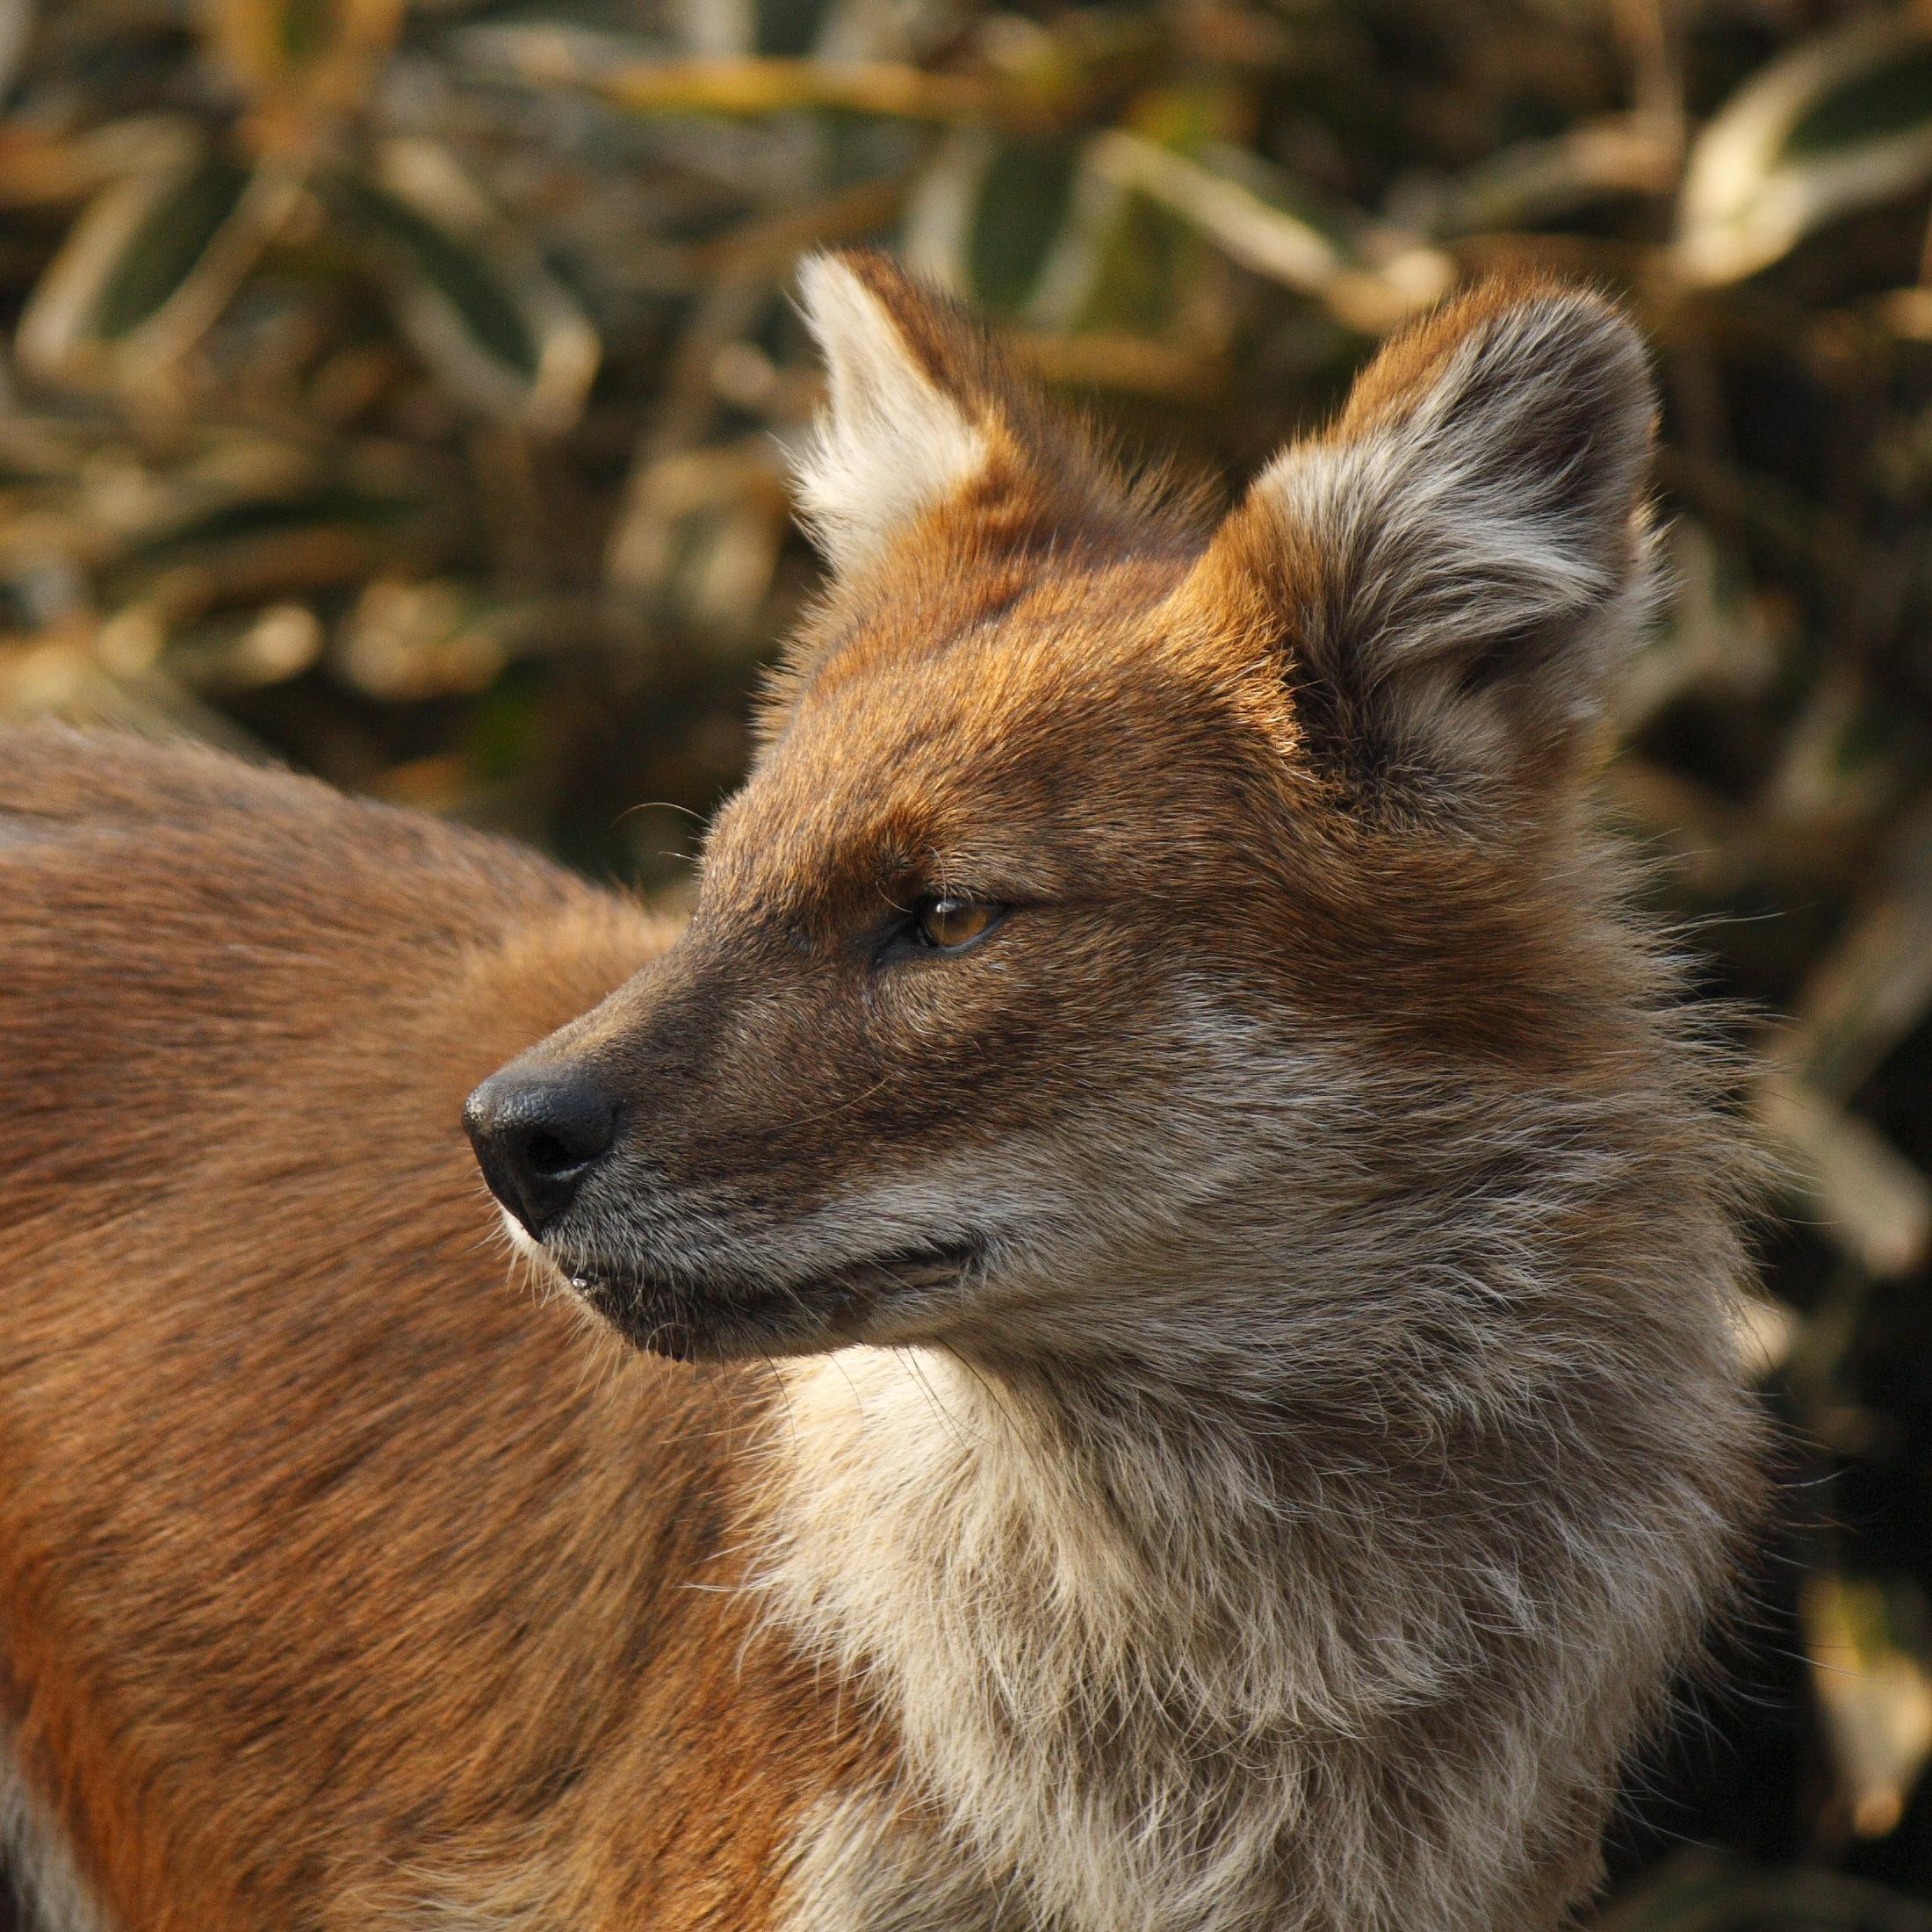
x: 525, y: 1244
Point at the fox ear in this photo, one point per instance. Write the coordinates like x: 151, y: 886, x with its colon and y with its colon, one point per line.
x: 901, y: 431
x: 1454, y: 569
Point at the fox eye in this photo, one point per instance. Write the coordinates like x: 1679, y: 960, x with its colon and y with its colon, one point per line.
x: 948, y: 925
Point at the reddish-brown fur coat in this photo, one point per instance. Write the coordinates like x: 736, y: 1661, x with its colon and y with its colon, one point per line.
x: 332, y: 1571
x: 1309, y: 1438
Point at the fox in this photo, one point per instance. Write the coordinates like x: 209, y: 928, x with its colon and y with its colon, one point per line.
x: 1131, y: 1328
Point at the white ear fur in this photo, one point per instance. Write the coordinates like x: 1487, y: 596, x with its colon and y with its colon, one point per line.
x: 891, y: 445
x: 1484, y: 546
x: 1501, y: 496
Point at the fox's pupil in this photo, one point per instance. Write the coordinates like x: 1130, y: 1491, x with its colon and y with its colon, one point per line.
x: 953, y: 922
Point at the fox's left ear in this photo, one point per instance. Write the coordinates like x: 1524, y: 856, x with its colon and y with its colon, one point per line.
x: 902, y: 429
x: 925, y: 414
x: 1451, y: 573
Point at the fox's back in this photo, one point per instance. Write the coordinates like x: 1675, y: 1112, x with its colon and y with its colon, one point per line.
x: 319, y: 1548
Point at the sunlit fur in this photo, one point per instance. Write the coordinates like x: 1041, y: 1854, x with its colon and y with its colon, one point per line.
x: 1214, y: 1407
x: 893, y: 445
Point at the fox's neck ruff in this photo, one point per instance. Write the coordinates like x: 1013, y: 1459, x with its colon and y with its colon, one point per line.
x: 1127, y: 1650
x: 1134, y: 1626
x: 1198, y: 1560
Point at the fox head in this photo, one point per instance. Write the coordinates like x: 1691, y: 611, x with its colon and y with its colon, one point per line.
x: 1140, y: 934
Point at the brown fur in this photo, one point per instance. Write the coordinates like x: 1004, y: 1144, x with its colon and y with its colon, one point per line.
x: 333, y: 1577
x: 1288, y: 1512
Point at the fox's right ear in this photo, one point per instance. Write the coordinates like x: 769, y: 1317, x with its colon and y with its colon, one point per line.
x: 903, y: 428
x: 1446, y: 580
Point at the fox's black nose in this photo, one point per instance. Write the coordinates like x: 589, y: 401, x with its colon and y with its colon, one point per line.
x: 536, y: 1135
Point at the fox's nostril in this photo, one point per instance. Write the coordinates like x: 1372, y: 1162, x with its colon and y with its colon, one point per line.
x: 548, y: 1155
x: 536, y: 1136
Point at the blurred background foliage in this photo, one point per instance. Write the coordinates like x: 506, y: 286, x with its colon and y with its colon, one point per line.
x: 399, y: 387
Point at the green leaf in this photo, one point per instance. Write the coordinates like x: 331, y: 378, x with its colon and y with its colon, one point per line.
x: 452, y: 272
x: 789, y: 28
x: 166, y: 247
x: 503, y: 334
x: 1890, y: 97
x: 149, y: 266
x: 1843, y: 122
x: 1028, y: 228
x: 1026, y: 191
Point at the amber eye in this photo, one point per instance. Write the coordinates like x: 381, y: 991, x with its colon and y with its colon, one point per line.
x: 948, y: 924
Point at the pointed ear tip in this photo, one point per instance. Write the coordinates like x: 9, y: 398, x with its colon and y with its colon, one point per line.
x: 856, y: 299
x: 824, y: 279
x: 1524, y: 330
x: 835, y: 282
x: 1500, y: 294
x: 1571, y: 321
x: 825, y: 264
x: 827, y: 274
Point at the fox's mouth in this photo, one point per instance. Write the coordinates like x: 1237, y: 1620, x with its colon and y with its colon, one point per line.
x: 687, y: 1318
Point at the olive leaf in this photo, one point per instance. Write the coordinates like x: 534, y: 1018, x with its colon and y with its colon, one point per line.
x: 149, y: 266
x: 1872, y: 988
x: 479, y: 306
x: 1257, y: 218
x: 1702, y: 1891
x: 1867, y: 1640
x: 1011, y: 221
x: 1840, y: 123
x: 1533, y: 183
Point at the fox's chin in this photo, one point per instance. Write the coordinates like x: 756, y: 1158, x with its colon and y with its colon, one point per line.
x: 684, y: 1323
x: 688, y: 1318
